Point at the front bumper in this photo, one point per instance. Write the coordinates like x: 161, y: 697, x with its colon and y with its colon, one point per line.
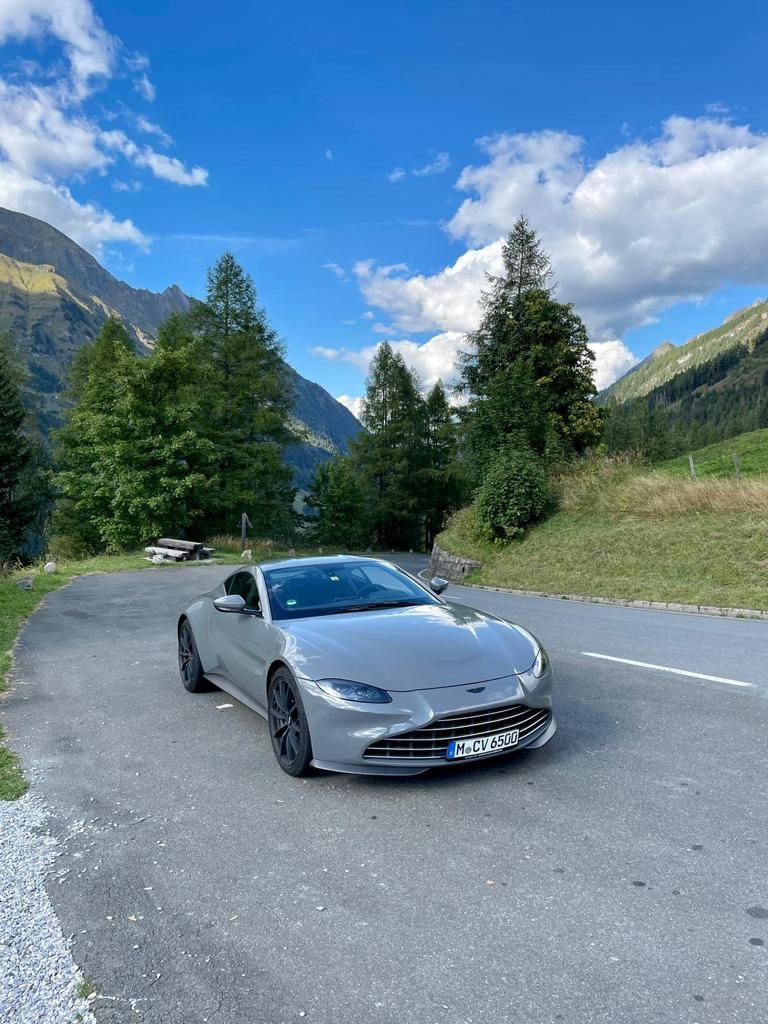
x: 342, y: 731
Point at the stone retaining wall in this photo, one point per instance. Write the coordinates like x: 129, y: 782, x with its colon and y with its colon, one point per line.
x: 450, y: 567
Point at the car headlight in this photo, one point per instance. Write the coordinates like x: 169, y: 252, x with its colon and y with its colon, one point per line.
x: 541, y: 664
x: 354, y: 691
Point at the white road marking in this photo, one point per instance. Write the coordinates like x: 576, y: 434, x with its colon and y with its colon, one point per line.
x: 666, y: 668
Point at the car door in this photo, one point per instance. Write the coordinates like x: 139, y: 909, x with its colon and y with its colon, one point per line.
x: 245, y: 640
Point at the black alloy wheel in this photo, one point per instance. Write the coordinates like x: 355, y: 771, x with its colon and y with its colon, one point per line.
x: 288, y: 727
x: 190, y: 667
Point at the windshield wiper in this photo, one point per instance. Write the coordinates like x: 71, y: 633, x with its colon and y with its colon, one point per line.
x: 371, y: 605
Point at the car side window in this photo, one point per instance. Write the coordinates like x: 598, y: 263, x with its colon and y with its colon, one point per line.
x: 244, y: 585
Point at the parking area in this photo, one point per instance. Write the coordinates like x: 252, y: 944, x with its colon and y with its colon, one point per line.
x: 619, y: 874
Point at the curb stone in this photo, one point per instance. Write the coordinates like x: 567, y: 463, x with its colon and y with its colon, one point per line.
x: 664, y: 606
x: 620, y: 602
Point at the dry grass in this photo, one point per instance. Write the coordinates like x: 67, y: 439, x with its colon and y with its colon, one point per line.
x: 624, y: 488
x: 229, y: 544
x: 624, y: 531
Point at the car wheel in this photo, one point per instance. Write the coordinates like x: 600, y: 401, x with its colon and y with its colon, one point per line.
x: 190, y: 668
x: 288, y: 727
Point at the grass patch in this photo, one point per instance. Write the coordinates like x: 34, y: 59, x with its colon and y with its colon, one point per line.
x: 16, y: 605
x: 716, y: 460
x: 624, y: 532
x: 85, y: 989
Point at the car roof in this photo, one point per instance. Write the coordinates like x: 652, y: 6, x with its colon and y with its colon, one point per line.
x: 282, y: 563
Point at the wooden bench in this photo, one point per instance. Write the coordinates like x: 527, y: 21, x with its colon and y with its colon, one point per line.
x: 180, y: 550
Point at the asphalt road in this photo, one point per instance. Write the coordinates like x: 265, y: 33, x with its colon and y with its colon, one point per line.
x: 618, y: 875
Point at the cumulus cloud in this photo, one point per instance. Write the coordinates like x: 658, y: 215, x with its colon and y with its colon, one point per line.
x: 650, y: 224
x: 433, y: 360
x: 87, y: 223
x: 354, y: 404
x: 52, y: 132
x: 397, y: 174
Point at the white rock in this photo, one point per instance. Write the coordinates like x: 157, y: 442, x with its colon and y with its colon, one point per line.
x: 49, y: 567
x: 247, y: 555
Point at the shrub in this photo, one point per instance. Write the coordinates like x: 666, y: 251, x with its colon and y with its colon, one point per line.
x: 64, y: 547
x: 513, y: 494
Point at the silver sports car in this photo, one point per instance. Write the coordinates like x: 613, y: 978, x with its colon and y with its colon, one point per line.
x: 359, y: 667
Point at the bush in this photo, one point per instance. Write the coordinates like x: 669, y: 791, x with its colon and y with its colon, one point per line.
x: 513, y: 494
x: 64, y: 547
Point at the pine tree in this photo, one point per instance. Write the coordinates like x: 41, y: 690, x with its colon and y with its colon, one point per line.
x: 442, y: 483
x: 526, y: 265
x: 16, y: 454
x: 391, y: 453
x: 342, y: 504
x: 248, y: 405
x: 525, y: 335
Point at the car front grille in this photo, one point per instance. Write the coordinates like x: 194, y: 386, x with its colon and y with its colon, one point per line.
x: 432, y: 741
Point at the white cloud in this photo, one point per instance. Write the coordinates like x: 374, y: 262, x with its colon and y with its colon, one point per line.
x: 349, y: 323
x: 127, y: 186
x: 150, y: 128
x: 336, y: 270
x: 86, y: 223
x: 170, y: 169
x: 441, y: 163
x: 355, y: 405
x: 643, y: 227
x: 368, y: 315
x: 612, y: 360
x: 51, y: 135
x: 145, y: 88
x: 89, y: 49
x: 433, y: 360
x: 329, y: 154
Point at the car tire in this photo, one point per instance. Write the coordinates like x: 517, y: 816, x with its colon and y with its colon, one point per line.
x: 190, y: 666
x: 288, y: 728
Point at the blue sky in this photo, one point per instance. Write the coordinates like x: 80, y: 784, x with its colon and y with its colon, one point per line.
x: 363, y: 160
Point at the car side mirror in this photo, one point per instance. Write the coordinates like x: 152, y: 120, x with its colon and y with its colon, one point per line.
x: 229, y: 603
x: 437, y: 585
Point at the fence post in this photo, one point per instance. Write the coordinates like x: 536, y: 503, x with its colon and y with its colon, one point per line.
x: 692, y: 464
x: 245, y: 522
x: 736, y: 465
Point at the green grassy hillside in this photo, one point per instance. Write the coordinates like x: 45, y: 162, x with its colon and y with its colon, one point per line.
x: 716, y: 460
x: 628, y: 532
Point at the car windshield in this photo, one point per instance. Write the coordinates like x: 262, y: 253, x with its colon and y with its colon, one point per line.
x: 330, y: 588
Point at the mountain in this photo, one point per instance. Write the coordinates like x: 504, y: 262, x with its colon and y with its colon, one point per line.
x: 54, y: 297
x: 713, y: 387
x: 738, y: 332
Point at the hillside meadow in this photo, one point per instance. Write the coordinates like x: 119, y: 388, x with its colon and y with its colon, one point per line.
x: 626, y: 531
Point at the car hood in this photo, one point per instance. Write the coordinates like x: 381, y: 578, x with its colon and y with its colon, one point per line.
x: 421, y: 647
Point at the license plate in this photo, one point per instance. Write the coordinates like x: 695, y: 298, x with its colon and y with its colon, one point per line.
x: 482, y: 745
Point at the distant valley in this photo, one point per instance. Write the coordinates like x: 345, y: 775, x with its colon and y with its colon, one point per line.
x: 54, y: 298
